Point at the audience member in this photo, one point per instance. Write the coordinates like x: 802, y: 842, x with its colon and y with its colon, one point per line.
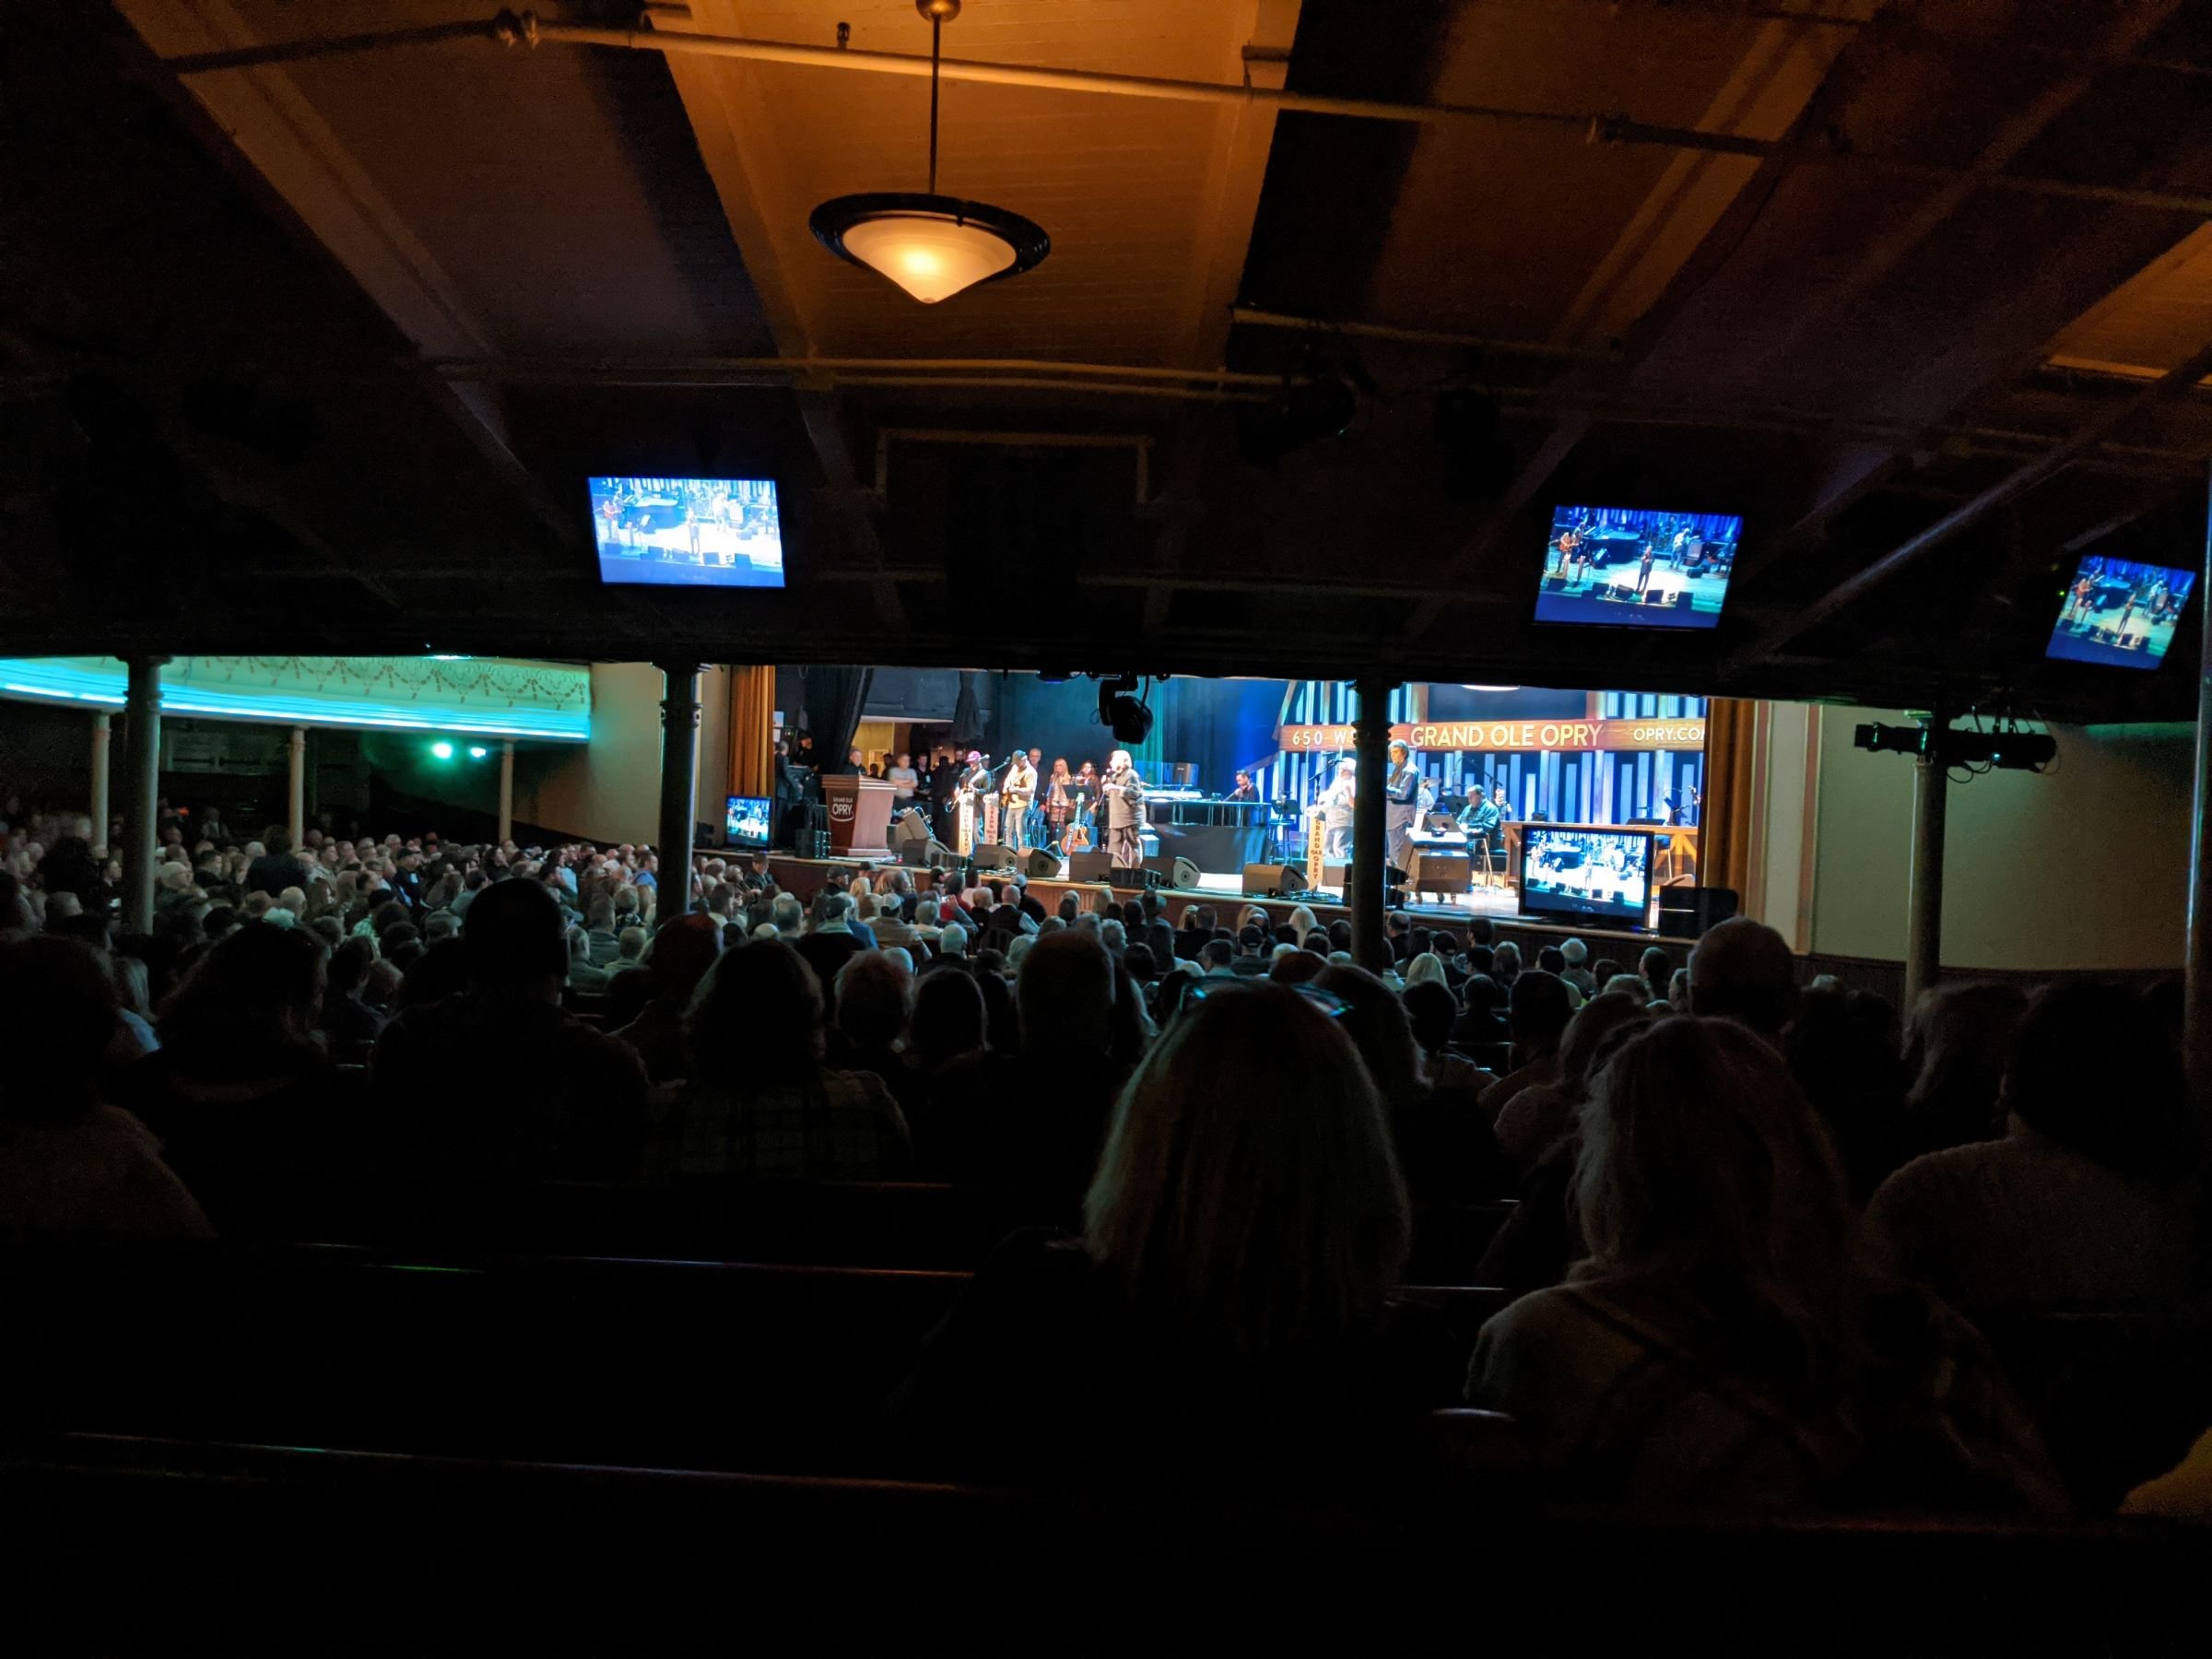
x: 496, y: 1083
x: 69, y: 1165
x: 1742, y: 971
x: 2090, y: 1196
x: 761, y: 1102
x: 681, y: 954
x: 1225, y: 1317
x: 242, y: 1073
x: 1955, y: 1055
x: 1444, y: 1146
x: 1025, y: 1123
x: 348, y: 1021
x: 1540, y: 1117
x: 1725, y: 1343
x: 1540, y: 1010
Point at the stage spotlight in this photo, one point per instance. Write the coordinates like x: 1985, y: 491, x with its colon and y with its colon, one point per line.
x: 1129, y: 719
x: 477, y: 751
x: 443, y: 750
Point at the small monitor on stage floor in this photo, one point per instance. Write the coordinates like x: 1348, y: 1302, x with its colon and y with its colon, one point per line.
x: 688, y: 532
x: 2119, y: 614
x: 1586, y: 872
x: 1637, y: 567
x: 747, y: 822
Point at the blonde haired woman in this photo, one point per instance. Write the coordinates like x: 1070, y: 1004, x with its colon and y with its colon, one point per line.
x: 1728, y: 1343
x: 1230, y: 1297
x: 1056, y: 798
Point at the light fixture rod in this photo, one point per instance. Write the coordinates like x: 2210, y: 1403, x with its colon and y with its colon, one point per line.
x: 936, y: 50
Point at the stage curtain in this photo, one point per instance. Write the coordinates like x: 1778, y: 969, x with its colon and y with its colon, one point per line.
x: 1724, y: 849
x: 752, y: 728
x: 835, y: 697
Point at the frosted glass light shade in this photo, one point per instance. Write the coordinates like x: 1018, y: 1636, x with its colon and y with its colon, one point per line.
x: 931, y: 246
x: 928, y: 257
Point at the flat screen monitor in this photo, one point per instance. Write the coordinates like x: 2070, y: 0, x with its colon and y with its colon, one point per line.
x: 688, y: 532
x: 746, y: 823
x: 2120, y: 614
x: 1637, y: 567
x: 1603, y: 873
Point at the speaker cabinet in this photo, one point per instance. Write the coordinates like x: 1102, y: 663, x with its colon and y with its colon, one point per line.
x: 1274, y: 881
x: 1043, y: 865
x: 995, y: 856
x: 1091, y: 867
x: 1172, y: 870
x: 926, y: 854
x: 1689, y: 913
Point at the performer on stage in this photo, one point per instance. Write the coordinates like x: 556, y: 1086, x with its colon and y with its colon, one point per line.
x: 1125, y: 795
x: 1082, y: 815
x: 1245, y: 790
x: 1015, y: 797
x: 974, y: 794
x: 1337, y: 810
x: 1484, y: 822
x: 1403, y: 785
x: 1056, y: 802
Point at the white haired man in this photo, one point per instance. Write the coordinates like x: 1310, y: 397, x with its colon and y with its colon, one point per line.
x: 1124, y: 792
x: 1336, y: 813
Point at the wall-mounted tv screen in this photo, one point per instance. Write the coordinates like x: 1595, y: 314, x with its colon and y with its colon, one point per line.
x: 2120, y: 614
x: 1586, y: 872
x: 745, y: 821
x: 1637, y: 567
x: 688, y: 532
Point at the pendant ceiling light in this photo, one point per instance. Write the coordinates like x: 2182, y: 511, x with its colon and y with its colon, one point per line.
x: 931, y: 245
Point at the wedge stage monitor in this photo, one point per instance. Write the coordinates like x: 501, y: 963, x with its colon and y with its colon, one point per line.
x: 2120, y: 615
x: 1597, y: 873
x: 1637, y: 567
x: 688, y: 532
x: 744, y: 823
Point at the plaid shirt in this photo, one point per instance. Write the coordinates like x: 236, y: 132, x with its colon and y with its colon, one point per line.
x: 844, y: 1127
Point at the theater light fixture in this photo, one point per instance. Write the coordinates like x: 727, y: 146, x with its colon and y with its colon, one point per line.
x: 442, y: 751
x: 1128, y: 717
x: 932, y: 246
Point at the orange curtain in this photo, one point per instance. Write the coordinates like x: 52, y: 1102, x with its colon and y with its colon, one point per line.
x: 752, y: 728
x: 1724, y: 833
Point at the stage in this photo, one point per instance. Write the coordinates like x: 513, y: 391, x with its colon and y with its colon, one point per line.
x: 804, y: 876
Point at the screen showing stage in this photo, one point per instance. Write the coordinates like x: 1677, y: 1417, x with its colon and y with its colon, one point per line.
x: 1586, y: 872
x: 747, y: 822
x: 2119, y: 614
x: 688, y: 532
x: 1637, y: 567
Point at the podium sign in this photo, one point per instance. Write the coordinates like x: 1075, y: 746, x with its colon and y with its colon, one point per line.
x: 860, y: 816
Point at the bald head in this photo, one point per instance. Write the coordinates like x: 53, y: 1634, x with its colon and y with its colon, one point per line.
x: 1742, y: 971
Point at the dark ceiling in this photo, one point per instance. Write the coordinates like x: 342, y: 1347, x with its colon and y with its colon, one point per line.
x: 348, y: 404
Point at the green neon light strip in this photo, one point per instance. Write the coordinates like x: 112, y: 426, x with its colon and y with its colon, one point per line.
x: 55, y: 679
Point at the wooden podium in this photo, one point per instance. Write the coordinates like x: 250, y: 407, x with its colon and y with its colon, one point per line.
x: 860, y: 816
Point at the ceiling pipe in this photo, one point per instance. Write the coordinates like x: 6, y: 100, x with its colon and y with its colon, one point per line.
x: 1251, y: 318
x: 2176, y: 381
x: 1598, y: 127
x: 781, y: 368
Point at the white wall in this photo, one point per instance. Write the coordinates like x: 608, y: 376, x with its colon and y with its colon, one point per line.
x: 1785, y: 893
x: 607, y: 789
x: 2085, y: 867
